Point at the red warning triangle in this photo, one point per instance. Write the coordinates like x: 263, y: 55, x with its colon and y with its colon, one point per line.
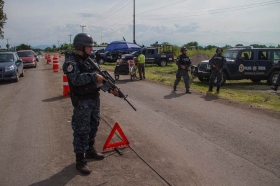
x: 125, y: 142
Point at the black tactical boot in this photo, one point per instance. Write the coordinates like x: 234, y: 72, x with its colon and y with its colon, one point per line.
x: 210, y: 89
x: 188, y: 91
x: 81, y: 164
x: 275, y: 87
x: 218, y: 89
x: 91, y: 153
x: 174, y: 88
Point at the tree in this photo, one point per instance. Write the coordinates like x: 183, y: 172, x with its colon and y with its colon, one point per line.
x: 227, y: 46
x: 23, y: 47
x: 190, y: 44
x: 209, y: 47
x: 258, y: 46
x: 3, y: 18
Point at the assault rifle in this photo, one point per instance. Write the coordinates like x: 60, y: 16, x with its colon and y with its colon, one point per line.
x: 110, y: 83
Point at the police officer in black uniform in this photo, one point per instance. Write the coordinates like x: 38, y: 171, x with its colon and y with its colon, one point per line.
x: 275, y: 87
x: 184, y: 66
x: 84, y: 82
x: 218, y: 63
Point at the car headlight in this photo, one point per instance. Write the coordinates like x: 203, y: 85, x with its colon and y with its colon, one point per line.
x: 9, y: 68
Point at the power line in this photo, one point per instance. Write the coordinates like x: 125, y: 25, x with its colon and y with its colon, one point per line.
x: 200, y: 13
x: 160, y: 7
x: 110, y: 10
x: 222, y: 10
x: 152, y: 10
x: 114, y: 12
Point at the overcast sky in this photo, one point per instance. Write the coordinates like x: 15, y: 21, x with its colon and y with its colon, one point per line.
x: 208, y: 22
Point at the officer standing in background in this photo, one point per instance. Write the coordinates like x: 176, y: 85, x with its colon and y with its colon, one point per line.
x: 97, y: 56
x: 184, y: 66
x: 84, y: 82
x: 217, y: 63
x: 275, y: 87
x: 141, y: 65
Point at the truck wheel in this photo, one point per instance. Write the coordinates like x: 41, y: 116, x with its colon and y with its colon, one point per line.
x: 162, y: 63
x: 101, y: 61
x: 273, y: 78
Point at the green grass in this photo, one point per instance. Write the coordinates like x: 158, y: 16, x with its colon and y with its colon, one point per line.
x: 245, y: 91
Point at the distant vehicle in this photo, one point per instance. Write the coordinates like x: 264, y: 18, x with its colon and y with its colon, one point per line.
x: 116, y: 49
x: 153, y: 55
x: 246, y: 62
x: 28, y: 57
x: 11, y: 66
x: 123, y: 46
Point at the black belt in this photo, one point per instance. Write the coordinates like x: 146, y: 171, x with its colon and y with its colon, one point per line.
x: 93, y: 96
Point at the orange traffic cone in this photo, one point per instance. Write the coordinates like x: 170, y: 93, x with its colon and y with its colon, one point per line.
x: 55, y: 64
x: 66, y: 88
x: 49, y: 59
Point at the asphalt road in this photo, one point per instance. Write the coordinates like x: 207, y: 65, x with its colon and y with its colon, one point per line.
x: 175, y: 139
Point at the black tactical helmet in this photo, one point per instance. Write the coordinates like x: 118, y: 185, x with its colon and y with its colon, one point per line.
x: 81, y: 40
x: 219, y: 48
x: 183, y: 49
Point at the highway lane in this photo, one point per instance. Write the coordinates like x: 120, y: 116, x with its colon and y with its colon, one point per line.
x: 181, y: 139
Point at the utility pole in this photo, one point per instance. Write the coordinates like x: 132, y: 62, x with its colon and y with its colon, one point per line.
x: 70, y: 38
x: 7, y: 45
x: 134, y: 22
x: 82, y: 27
x: 101, y: 36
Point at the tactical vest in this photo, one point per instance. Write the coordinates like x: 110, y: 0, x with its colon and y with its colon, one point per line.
x: 85, y: 91
x: 218, y: 61
x: 184, y: 60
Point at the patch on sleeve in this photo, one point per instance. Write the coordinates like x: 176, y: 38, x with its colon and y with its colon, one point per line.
x: 70, y: 68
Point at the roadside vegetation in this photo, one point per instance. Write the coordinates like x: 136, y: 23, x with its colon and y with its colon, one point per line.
x: 245, y: 91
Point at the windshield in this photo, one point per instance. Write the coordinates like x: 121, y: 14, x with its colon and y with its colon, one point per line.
x: 25, y: 54
x: 230, y: 54
x: 6, y: 58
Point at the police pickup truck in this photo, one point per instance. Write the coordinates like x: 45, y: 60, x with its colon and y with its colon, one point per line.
x: 152, y: 56
x: 251, y: 63
x: 109, y: 56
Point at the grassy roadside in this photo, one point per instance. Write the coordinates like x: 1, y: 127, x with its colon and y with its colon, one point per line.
x: 245, y: 91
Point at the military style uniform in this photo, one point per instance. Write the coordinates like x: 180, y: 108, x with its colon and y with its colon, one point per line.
x: 220, y: 63
x: 84, y: 93
x: 277, y: 84
x: 183, y: 60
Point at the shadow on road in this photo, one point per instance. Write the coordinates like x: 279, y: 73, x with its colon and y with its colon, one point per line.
x: 173, y: 94
x: 210, y: 96
x: 54, y: 99
x: 61, y: 178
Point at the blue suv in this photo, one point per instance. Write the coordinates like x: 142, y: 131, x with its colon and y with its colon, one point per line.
x: 251, y: 63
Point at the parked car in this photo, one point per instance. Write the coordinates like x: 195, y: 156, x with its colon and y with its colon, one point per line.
x: 115, y: 50
x: 152, y: 56
x: 28, y: 57
x: 243, y: 62
x: 11, y: 66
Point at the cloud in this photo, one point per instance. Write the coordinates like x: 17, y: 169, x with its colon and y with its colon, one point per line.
x: 86, y: 15
x: 162, y: 20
